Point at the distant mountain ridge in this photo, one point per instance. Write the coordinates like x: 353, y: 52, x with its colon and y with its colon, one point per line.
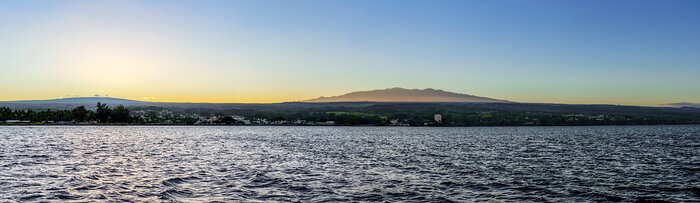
x: 407, y: 95
x: 79, y: 100
x: 685, y: 104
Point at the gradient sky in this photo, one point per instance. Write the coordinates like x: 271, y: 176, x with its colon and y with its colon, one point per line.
x: 589, y: 51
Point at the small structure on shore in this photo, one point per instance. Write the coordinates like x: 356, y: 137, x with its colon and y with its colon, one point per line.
x: 438, y: 118
x: 17, y: 121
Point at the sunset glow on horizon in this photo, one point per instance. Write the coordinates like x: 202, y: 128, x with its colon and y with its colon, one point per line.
x: 579, y: 52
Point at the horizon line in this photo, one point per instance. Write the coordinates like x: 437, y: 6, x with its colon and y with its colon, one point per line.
x: 675, y: 104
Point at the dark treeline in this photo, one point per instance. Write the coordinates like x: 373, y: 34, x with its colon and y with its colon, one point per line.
x: 457, y: 114
x: 378, y: 114
x: 80, y: 114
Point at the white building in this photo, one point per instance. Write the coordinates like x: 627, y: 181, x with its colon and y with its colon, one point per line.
x: 16, y: 121
x: 438, y: 118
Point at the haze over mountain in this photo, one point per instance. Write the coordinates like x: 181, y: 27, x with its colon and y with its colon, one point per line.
x: 80, y: 100
x: 68, y: 103
x: 407, y: 95
x: 685, y: 104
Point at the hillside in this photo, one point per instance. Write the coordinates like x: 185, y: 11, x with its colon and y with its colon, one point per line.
x: 685, y: 104
x: 72, y: 102
x: 407, y: 95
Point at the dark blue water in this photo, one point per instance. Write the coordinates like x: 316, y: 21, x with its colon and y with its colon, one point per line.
x: 331, y: 164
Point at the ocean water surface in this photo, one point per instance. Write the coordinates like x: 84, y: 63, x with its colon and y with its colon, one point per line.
x: 332, y: 164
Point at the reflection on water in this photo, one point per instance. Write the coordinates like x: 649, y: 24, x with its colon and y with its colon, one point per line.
x: 315, y: 164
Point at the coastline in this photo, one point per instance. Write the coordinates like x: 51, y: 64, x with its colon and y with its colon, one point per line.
x: 419, y: 126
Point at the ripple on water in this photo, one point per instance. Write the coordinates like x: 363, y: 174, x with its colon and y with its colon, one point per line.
x: 176, y: 194
x: 173, y: 181
x: 262, y: 181
x: 64, y: 195
x: 356, y: 164
x: 93, y: 177
x: 31, y: 197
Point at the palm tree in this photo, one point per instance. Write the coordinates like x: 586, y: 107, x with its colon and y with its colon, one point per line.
x: 103, y: 112
x: 120, y: 114
x: 79, y: 114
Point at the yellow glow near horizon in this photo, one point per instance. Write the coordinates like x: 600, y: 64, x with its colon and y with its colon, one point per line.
x: 111, y: 63
x: 255, y: 52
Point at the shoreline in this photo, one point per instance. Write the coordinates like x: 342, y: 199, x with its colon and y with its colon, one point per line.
x: 189, y: 125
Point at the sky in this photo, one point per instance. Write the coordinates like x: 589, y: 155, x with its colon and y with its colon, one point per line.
x: 579, y: 52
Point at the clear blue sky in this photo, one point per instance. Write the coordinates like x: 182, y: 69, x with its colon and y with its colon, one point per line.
x: 620, y: 52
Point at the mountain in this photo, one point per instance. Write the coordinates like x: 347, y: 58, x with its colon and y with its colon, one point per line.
x: 469, y: 111
x: 79, y: 100
x: 71, y: 102
x: 685, y: 104
x: 407, y: 95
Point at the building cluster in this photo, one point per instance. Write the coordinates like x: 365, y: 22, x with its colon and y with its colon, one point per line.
x: 17, y: 121
x: 578, y: 117
x: 241, y: 120
x: 170, y: 117
x: 437, y: 120
x: 399, y: 122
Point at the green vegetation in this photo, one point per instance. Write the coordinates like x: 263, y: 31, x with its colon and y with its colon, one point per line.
x: 457, y: 114
x: 34, y: 116
x: 119, y: 115
x: 360, y: 114
x: 80, y: 114
x: 102, y: 112
x: 353, y: 114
